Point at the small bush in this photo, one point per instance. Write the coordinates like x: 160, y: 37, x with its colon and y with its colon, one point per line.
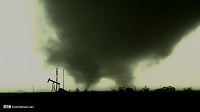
x: 187, y: 89
x: 145, y: 89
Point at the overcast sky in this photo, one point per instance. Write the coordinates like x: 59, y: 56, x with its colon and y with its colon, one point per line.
x: 100, y: 44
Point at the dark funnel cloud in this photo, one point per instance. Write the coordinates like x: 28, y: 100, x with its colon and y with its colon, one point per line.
x: 104, y: 38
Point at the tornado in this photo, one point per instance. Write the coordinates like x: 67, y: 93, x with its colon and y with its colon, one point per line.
x: 105, y: 38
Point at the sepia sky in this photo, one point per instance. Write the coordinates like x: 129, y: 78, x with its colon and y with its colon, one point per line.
x: 100, y: 44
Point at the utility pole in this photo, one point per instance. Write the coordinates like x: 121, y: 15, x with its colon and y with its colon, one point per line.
x: 33, y: 88
x: 63, y: 79
x: 56, y: 78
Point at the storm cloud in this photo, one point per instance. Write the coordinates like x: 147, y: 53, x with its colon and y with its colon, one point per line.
x: 104, y: 38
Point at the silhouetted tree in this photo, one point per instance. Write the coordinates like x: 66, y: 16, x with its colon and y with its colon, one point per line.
x: 129, y: 89
x: 113, y: 90
x: 86, y: 90
x: 121, y: 89
x: 145, y: 89
x: 166, y: 89
x: 77, y: 90
x: 187, y: 89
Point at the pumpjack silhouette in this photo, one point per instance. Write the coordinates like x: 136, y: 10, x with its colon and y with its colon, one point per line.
x: 54, y: 88
x: 56, y: 84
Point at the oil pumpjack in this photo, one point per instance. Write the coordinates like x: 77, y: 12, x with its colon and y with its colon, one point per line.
x: 56, y: 84
x: 53, y: 85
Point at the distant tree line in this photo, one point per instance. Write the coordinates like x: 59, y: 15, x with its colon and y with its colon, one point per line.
x: 128, y: 89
